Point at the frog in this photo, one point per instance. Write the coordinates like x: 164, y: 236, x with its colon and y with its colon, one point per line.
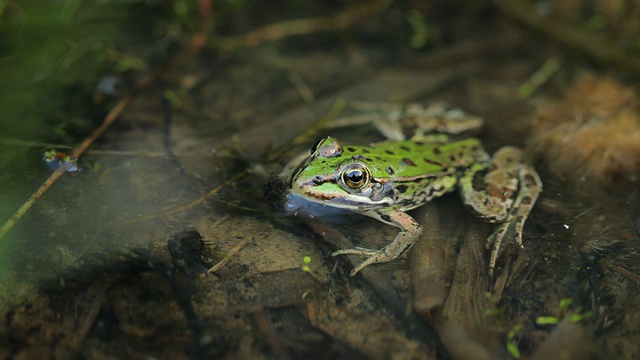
x: 385, y: 180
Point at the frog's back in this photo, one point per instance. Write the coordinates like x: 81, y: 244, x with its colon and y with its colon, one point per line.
x: 407, y: 159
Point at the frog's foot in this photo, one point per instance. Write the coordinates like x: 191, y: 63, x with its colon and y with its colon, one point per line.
x: 502, y: 191
x: 373, y: 257
x: 393, y: 120
x: 530, y: 187
x: 411, y: 232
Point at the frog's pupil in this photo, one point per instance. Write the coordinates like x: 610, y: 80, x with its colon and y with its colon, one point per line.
x: 355, y: 176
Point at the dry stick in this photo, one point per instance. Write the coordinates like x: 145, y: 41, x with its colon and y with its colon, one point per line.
x: 110, y: 118
x: 284, y: 29
x: 197, y: 42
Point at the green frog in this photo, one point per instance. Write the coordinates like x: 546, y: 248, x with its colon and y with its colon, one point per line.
x: 385, y: 180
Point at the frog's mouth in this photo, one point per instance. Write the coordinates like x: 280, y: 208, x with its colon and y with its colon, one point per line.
x: 331, y: 194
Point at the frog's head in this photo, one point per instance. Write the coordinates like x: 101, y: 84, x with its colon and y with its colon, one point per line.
x: 337, y: 179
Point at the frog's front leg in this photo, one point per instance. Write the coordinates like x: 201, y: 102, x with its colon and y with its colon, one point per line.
x: 503, y: 191
x: 411, y: 232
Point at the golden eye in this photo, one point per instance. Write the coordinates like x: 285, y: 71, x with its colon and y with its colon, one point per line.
x: 356, y: 176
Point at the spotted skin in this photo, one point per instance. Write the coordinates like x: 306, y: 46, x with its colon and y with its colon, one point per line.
x: 385, y: 180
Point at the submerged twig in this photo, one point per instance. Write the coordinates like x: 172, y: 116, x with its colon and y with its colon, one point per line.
x: 194, y: 202
x: 98, y: 292
x: 197, y: 42
x: 228, y: 257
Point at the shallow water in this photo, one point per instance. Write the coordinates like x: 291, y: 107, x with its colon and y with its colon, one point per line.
x: 121, y: 249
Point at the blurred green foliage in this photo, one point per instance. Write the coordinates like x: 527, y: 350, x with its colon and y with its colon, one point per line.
x: 50, y: 54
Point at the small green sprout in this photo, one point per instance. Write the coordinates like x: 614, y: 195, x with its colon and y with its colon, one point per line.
x: 564, y: 308
x: 60, y: 131
x: 547, y: 320
x: 305, y: 263
x: 496, y: 311
x: 580, y: 317
x: 512, y: 346
x: 513, y: 350
x: 564, y: 304
x: 423, y: 33
x: 514, y: 330
x: 175, y: 98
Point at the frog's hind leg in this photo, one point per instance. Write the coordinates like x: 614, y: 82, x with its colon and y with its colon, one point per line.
x: 503, y: 191
x: 488, y: 188
x: 411, y: 232
x: 529, y: 190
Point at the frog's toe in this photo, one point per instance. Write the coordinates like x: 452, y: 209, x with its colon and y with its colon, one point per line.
x: 373, y: 257
x: 356, y: 251
x: 376, y: 256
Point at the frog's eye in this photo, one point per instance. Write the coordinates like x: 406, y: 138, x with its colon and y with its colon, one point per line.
x: 356, y: 176
x: 326, y: 148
